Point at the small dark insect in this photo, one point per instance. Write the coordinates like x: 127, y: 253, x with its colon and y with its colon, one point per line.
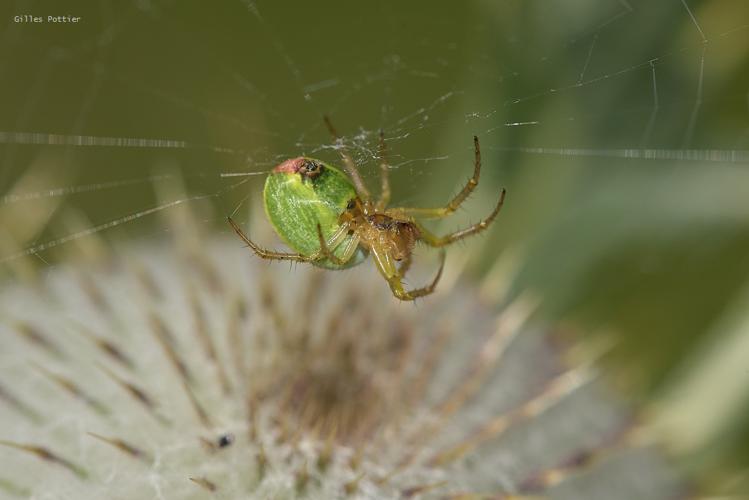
x: 225, y: 440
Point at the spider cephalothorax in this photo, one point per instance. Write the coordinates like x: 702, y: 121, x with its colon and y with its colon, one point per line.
x: 396, y: 237
x: 331, y: 220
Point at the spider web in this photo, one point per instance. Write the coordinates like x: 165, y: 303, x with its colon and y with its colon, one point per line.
x: 608, y: 121
x: 219, y: 95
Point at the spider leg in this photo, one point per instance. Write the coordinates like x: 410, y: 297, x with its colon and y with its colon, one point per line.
x: 387, y: 267
x: 452, y: 206
x: 350, y: 248
x: 269, y: 254
x: 441, y: 241
x: 335, y: 241
x: 384, y: 174
x: 348, y: 162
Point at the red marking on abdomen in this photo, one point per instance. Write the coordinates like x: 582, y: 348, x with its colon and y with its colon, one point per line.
x: 291, y: 166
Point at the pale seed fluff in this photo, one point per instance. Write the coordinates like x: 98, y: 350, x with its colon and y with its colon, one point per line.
x: 190, y: 371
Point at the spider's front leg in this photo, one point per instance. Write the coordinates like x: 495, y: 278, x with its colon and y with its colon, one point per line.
x: 452, y: 206
x: 388, y: 268
x: 441, y: 241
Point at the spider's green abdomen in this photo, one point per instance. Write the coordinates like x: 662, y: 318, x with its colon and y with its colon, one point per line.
x: 296, y: 200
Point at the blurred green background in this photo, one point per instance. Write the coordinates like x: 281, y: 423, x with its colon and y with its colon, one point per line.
x: 568, y: 98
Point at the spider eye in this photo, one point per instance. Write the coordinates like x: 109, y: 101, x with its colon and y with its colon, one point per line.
x: 351, y: 204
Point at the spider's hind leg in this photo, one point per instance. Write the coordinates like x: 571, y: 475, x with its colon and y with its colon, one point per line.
x: 327, y: 247
x: 268, y: 254
x: 348, y: 162
x: 384, y: 174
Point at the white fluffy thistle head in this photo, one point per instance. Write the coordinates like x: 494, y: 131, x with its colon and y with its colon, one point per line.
x: 185, y: 371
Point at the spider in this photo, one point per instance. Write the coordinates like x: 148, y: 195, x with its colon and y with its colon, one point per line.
x: 330, y: 218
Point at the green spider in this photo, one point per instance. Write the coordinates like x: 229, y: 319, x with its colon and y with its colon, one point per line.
x: 330, y: 219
